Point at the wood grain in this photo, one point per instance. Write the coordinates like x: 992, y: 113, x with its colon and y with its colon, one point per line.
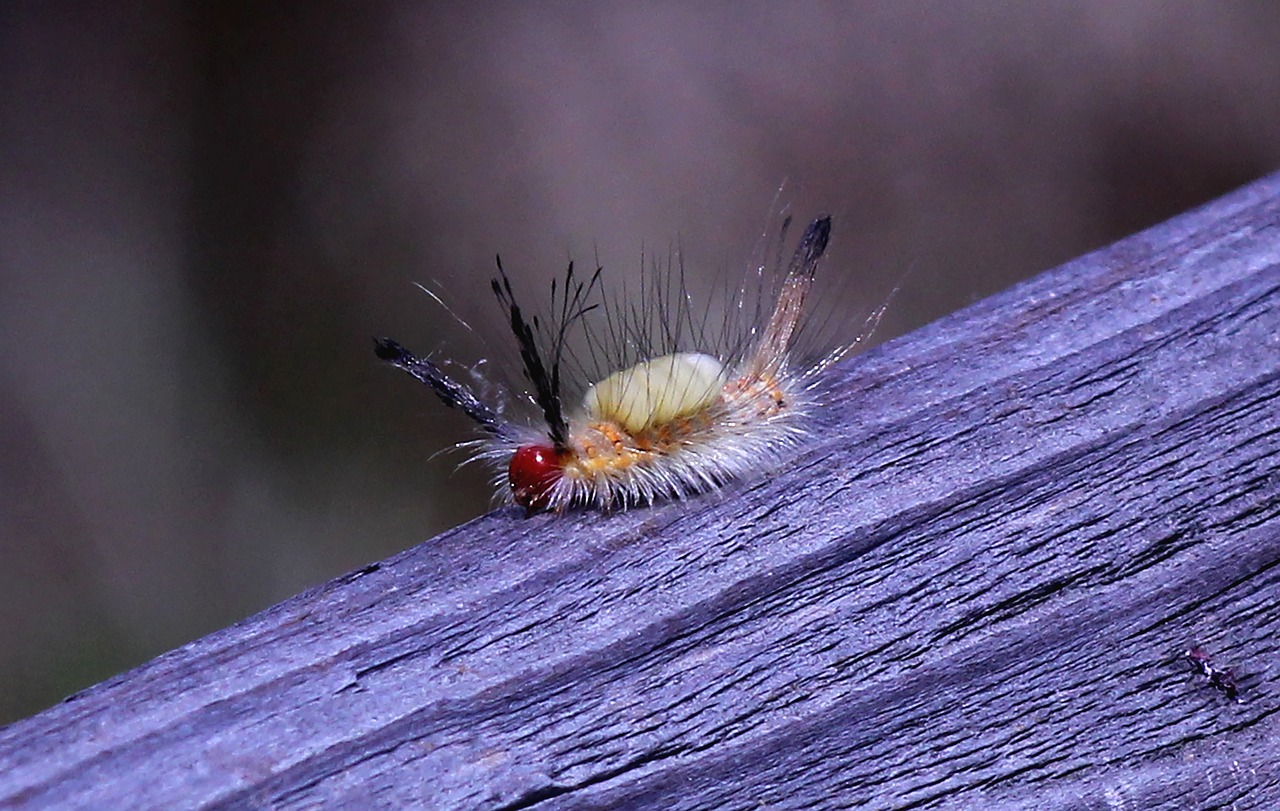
x: 974, y: 589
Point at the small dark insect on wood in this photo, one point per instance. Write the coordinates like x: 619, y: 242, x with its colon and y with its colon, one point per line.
x: 1221, y: 678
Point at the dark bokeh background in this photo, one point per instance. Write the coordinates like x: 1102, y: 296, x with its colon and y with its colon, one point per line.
x: 206, y: 211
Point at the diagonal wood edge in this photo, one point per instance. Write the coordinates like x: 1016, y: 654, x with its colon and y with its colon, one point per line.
x: 972, y: 590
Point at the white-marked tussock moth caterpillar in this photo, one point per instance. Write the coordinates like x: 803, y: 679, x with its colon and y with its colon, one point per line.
x: 671, y: 422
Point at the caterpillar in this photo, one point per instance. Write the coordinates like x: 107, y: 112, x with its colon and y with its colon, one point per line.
x: 675, y: 422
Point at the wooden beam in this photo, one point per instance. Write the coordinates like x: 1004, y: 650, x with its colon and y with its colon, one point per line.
x: 974, y: 589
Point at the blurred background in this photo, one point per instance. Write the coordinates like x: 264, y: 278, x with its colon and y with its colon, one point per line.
x: 207, y: 210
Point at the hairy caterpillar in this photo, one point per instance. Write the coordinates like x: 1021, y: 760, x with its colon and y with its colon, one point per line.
x: 674, y: 422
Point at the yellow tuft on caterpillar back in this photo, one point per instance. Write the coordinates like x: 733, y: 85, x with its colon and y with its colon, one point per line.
x: 657, y: 391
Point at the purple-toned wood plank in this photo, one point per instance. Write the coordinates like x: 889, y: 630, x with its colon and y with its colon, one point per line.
x: 976, y: 588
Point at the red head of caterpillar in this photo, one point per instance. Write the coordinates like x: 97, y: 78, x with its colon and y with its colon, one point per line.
x: 669, y: 424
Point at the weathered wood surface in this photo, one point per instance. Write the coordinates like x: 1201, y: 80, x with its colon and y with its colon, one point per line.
x: 974, y: 591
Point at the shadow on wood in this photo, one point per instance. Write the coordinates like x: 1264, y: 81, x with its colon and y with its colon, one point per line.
x: 976, y: 589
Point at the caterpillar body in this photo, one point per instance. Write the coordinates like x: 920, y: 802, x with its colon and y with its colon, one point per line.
x: 670, y: 426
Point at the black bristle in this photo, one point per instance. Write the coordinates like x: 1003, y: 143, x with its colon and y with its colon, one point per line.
x: 451, y: 392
